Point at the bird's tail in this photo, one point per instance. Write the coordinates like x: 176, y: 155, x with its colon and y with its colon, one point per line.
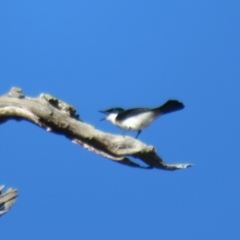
x: 170, y: 106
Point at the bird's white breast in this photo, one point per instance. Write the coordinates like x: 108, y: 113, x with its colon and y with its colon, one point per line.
x: 137, y: 122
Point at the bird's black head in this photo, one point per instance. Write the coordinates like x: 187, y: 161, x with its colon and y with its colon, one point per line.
x: 112, y: 110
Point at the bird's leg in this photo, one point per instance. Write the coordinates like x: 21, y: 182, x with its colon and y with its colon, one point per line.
x: 139, y: 131
x: 123, y: 133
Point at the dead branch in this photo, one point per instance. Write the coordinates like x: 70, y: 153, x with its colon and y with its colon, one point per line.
x: 59, y: 117
x: 7, y: 199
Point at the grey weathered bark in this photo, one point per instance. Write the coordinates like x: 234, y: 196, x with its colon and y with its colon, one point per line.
x: 7, y: 199
x: 59, y: 117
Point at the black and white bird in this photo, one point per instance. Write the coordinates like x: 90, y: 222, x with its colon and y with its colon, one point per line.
x: 136, y: 119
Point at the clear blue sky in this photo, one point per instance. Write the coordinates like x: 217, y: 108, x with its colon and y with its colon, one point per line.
x: 100, y: 54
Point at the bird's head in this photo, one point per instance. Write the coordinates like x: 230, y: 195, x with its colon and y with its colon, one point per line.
x: 111, y: 113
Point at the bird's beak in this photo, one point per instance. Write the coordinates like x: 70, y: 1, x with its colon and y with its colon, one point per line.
x: 104, y: 117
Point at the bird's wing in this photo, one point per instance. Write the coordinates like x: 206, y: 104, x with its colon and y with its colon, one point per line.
x: 131, y: 112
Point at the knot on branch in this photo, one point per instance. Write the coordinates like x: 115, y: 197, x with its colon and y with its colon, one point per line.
x: 65, y: 108
x: 16, y: 93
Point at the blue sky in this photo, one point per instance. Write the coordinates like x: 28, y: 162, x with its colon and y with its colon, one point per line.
x: 100, y: 54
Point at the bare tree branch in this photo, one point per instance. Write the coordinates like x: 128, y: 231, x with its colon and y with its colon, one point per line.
x: 59, y: 117
x: 7, y: 199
